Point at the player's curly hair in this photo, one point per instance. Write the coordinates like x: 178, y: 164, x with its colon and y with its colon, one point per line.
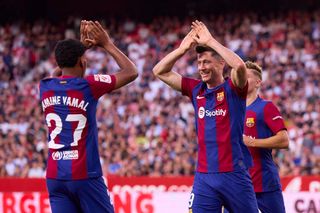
x: 257, y: 70
x: 67, y: 52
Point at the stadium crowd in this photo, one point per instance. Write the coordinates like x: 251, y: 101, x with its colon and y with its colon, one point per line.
x: 146, y: 128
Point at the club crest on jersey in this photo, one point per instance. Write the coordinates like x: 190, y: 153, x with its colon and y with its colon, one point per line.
x: 250, y: 122
x: 220, y: 96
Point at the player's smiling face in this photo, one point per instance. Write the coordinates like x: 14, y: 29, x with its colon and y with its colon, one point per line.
x: 209, y: 67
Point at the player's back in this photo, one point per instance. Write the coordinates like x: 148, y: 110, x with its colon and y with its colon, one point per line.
x: 69, y: 106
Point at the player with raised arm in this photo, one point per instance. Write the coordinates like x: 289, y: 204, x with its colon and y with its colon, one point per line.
x: 264, y: 130
x: 74, y: 174
x: 223, y: 159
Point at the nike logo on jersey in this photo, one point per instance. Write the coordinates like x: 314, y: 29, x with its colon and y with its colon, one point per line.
x: 277, y: 117
x: 200, y: 97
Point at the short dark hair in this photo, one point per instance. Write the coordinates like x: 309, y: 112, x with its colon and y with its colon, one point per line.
x: 201, y: 49
x: 68, y: 51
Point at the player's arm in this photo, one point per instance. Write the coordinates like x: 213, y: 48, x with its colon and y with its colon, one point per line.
x: 238, y: 72
x: 275, y: 123
x: 278, y: 141
x: 163, y: 69
x: 128, y: 71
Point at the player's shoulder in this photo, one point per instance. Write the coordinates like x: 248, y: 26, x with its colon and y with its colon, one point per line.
x: 260, y: 105
x: 264, y: 102
x: 46, y: 81
x: 190, y: 83
x: 268, y: 103
x: 194, y: 80
x: 269, y: 107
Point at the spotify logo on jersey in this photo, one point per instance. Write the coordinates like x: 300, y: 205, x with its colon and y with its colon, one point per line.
x: 217, y: 112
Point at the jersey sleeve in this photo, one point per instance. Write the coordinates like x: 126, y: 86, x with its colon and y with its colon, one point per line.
x: 187, y: 86
x: 273, y: 118
x: 101, y: 84
x: 241, y: 92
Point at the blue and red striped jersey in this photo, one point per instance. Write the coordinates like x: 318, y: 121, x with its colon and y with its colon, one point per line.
x: 219, y: 118
x: 69, y: 106
x: 263, y: 120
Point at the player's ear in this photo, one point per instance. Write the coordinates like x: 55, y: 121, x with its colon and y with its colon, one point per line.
x: 221, y: 61
x: 258, y: 84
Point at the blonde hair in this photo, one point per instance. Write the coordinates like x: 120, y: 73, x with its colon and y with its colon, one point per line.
x: 257, y: 70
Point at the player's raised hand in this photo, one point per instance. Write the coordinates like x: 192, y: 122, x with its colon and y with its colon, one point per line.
x: 188, y: 41
x: 84, y: 34
x: 98, y: 35
x: 202, y: 35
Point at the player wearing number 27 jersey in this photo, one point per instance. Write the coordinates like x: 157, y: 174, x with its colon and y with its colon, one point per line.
x: 69, y: 105
x: 69, y: 102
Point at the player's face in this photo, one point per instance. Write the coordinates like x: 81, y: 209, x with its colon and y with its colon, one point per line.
x: 209, y: 67
x: 253, y: 81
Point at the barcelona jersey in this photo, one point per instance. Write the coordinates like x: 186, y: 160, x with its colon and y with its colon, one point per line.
x: 69, y: 106
x: 263, y: 120
x: 219, y: 119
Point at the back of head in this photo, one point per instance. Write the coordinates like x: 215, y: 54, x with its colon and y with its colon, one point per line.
x: 256, y: 69
x: 67, y: 52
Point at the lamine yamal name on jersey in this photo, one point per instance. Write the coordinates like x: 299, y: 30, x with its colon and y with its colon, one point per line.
x: 64, y: 100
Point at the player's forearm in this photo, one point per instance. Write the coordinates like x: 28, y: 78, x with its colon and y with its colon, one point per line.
x: 278, y: 141
x: 122, y: 60
x: 165, y: 65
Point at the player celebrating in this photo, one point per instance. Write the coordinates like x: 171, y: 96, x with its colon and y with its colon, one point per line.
x: 264, y: 130
x: 222, y: 177
x: 74, y: 174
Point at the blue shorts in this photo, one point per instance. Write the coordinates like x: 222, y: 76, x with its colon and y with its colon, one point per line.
x: 90, y: 195
x: 234, y: 190
x: 269, y: 202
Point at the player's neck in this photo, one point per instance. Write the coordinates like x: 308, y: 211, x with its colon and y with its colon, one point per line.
x: 72, y: 72
x: 215, y: 82
x: 251, y: 97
